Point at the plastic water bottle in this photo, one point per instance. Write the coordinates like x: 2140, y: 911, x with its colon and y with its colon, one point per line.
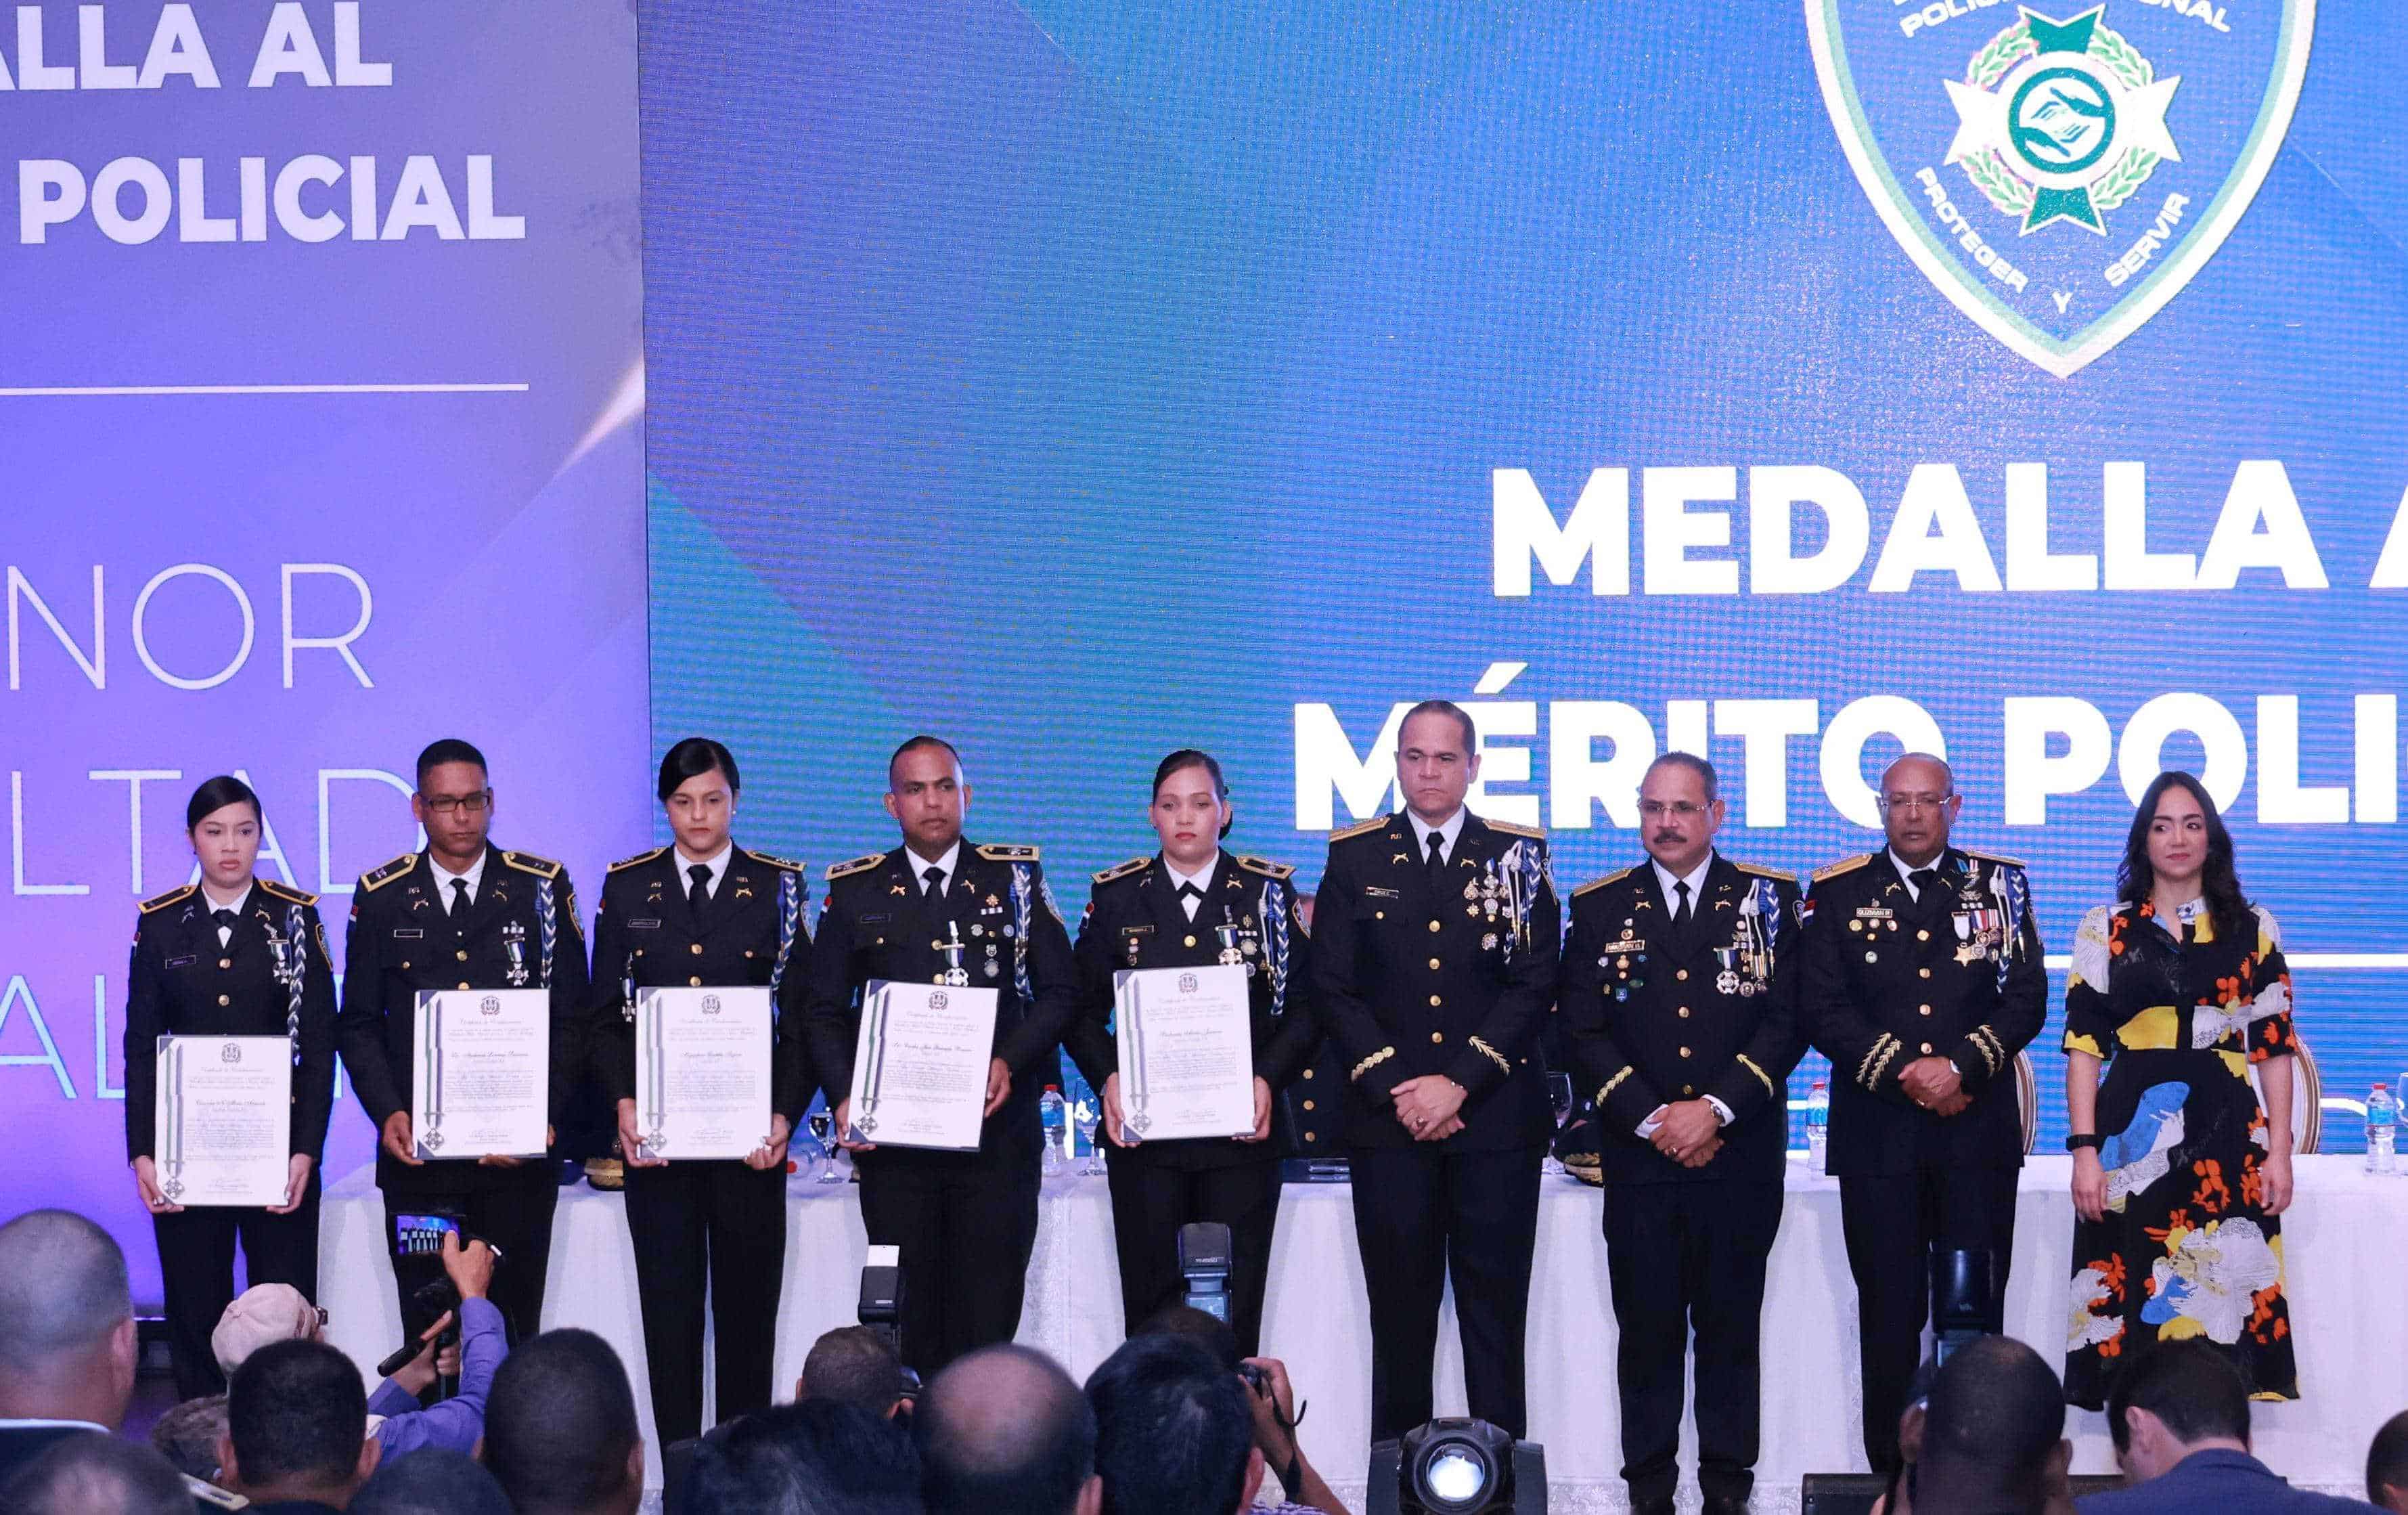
x: 1819, y: 1127
x: 2382, y: 1122
x: 1053, y: 1110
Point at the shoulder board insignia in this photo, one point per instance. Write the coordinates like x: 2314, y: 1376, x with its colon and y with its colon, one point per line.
x: 171, y: 897
x: 286, y: 892
x: 1992, y: 857
x: 1846, y: 865
x: 1345, y: 833
x: 1601, y: 883
x: 858, y: 865
x: 996, y: 852
x: 527, y: 862
x: 1533, y: 832
x: 1765, y: 872
x: 637, y: 860
x: 786, y: 863
x: 1266, y: 868
x: 384, y: 873
x: 1121, y: 869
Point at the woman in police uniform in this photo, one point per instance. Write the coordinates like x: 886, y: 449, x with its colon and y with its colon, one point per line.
x: 704, y: 911
x: 1193, y: 904
x: 229, y: 956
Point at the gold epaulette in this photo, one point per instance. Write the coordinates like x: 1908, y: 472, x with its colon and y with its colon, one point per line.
x: 638, y: 860
x: 1846, y: 865
x: 998, y: 852
x: 1121, y: 869
x: 164, y: 901
x: 1266, y: 868
x: 285, y: 892
x: 1346, y: 833
x: 788, y: 864
x: 1533, y: 832
x: 1993, y: 858
x: 857, y: 865
x: 1765, y: 872
x: 384, y: 873
x: 1601, y: 883
x: 527, y: 862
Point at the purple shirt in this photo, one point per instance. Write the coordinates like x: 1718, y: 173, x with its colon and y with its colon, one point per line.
x: 459, y: 1420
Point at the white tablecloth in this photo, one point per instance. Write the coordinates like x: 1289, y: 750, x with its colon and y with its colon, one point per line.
x: 2343, y: 1242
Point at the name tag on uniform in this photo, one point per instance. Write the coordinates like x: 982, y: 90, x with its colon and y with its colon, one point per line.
x: 406, y: 934
x: 1626, y: 947
x: 1873, y: 913
x: 1137, y: 930
x: 877, y: 918
x: 182, y: 962
x: 1374, y: 892
x: 643, y: 925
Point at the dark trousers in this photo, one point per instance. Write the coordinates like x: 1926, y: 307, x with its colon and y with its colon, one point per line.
x: 196, y: 1264
x: 723, y: 1224
x: 517, y: 1219
x: 1422, y: 1213
x: 966, y: 1226
x: 1689, y: 1258
x: 1892, y: 1223
x: 1151, y: 1201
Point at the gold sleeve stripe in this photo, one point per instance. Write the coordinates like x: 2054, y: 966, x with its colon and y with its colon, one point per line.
x: 1370, y: 1062
x: 1493, y: 1055
x: 1884, y: 1052
x: 1749, y: 1063
x: 1611, y: 1084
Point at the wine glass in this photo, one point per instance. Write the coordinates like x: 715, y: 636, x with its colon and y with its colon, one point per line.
x: 1085, y: 1118
x: 821, y: 1125
x: 1560, y: 1095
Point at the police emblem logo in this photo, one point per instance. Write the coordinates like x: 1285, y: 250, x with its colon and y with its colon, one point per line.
x: 711, y: 1005
x: 2061, y: 179
x: 230, y: 1052
x: 1187, y: 983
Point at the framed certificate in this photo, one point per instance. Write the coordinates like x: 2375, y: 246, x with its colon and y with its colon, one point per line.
x: 919, y: 1065
x: 702, y: 1071
x: 1187, y: 1052
x: 224, y: 1113
x: 483, y: 1066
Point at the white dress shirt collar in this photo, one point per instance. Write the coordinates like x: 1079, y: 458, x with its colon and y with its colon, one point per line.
x: 1696, y: 879
x: 1906, y: 871
x: 949, y: 865
x: 1448, y: 834
x: 211, y: 902
x: 1202, y: 881
x: 716, y: 862
x: 475, y: 877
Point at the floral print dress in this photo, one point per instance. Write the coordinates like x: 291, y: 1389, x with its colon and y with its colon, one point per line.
x: 2186, y: 1247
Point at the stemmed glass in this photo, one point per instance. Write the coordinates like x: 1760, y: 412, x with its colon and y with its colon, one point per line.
x: 1085, y: 1118
x: 1560, y: 1094
x: 821, y: 1127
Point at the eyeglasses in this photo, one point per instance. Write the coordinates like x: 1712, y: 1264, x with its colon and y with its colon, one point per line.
x: 1678, y: 809
x: 1911, y: 803
x: 444, y: 805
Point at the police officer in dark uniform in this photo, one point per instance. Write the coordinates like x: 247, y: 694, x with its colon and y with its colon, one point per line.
x: 1921, y: 979
x: 1193, y: 905
x: 233, y: 955
x: 1679, y: 1008
x: 705, y: 911
x: 464, y: 914
x: 1434, y: 955
x: 966, y: 1222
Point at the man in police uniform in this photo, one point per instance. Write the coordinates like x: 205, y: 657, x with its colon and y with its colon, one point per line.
x: 1434, y: 955
x: 1679, y: 1008
x: 462, y: 914
x: 966, y: 1222
x: 1921, y: 979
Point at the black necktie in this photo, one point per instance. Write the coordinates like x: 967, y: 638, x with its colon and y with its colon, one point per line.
x: 225, y: 923
x: 697, y: 893
x: 1681, y: 909
x: 1435, y: 862
x: 936, y: 878
x: 1186, y: 893
x: 459, y: 898
x: 1923, y: 879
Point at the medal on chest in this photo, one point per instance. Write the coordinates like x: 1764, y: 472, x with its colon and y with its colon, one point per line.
x: 953, y: 946
x: 515, y: 943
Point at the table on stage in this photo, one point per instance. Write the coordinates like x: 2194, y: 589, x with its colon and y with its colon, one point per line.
x: 2343, y: 1240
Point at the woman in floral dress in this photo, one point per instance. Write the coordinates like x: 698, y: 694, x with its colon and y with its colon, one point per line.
x: 2178, y: 1174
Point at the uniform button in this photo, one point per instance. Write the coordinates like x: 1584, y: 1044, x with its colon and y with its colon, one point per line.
x: 1433, y: 926
x: 1308, y: 1072
x: 1308, y: 1104
x: 1924, y: 1008
x: 1684, y: 1011
x: 464, y: 984
x: 747, y: 953
x: 404, y: 967
x: 1381, y: 915
x: 695, y: 982
x: 224, y: 998
x: 695, y: 947
x: 1686, y: 1090
x: 1681, y: 973
x: 1433, y: 1001
x: 1684, y: 1051
x: 228, y: 962
x: 1191, y: 941
x: 1310, y: 1136
x: 1927, y: 1047
x: 1925, y: 972
x: 1437, y: 1036
x: 1923, y: 936
x: 1433, y: 963
x: 462, y: 954
x: 640, y: 951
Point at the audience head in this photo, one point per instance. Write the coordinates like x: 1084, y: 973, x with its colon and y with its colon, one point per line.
x: 1174, y: 1434
x: 822, y: 1457
x: 431, y: 1481
x: 262, y: 1314
x: 1993, y: 1434
x: 2174, y: 1399
x: 188, y: 1435
x: 853, y: 1365
x: 93, y: 1474
x: 1005, y: 1432
x: 559, y: 1428
x: 1202, y: 1327
x: 296, y: 1426
x: 67, y: 1350
x: 2386, y: 1467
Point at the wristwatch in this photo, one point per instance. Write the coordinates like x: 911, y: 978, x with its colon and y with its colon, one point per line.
x: 2092, y: 1140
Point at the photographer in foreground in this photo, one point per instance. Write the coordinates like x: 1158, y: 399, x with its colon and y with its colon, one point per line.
x: 1270, y: 1400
